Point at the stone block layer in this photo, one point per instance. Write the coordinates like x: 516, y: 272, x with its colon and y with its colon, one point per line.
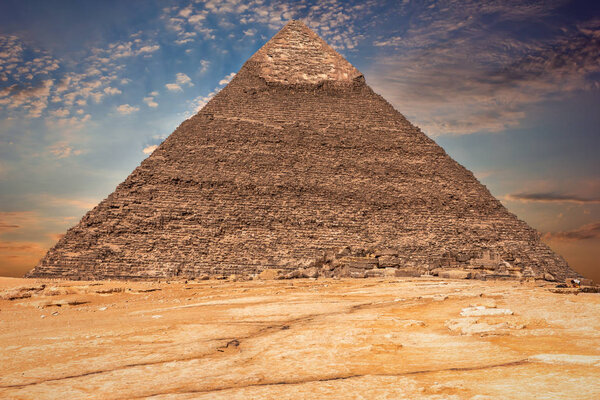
x: 275, y: 172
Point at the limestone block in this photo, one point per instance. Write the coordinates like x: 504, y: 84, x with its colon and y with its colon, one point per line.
x: 386, y: 252
x: 269, y: 274
x: 455, y: 274
x: 389, y: 261
x: 312, y: 272
x: 375, y: 273
x: 360, y: 262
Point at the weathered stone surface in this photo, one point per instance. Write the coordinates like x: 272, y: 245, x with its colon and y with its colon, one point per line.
x: 405, y: 271
x: 377, y: 273
x: 360, y: 262
x: 269, y: 274
x: 381, y: 338
x: 295, y: 158
x: 389, y: 261
x: 454, y: 274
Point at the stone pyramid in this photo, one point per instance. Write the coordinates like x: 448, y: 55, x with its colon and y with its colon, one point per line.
x: 297, y: 162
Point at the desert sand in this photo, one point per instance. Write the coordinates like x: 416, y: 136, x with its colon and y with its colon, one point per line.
x: 393, y: 338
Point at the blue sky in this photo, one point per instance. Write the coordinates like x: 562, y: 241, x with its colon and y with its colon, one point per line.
x: 511, y: 89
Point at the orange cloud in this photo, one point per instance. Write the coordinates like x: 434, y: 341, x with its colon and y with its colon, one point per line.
x: 10, y: 220
x: 16, y: 258
x: 83, y: 203
x: 589, y: 231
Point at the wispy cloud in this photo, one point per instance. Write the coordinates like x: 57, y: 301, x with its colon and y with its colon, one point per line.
x: 14, y: 220
x: 181, y: 79
x: 199, y: 102
x: 203, y: 66
x: 80, y: 203
x: 551, y: 197
x: 64, y: 150
x: 60, y: 120
x: 10, y: 220
x: 227, y: 79
x: 462, y: 69
x: 589, y: 231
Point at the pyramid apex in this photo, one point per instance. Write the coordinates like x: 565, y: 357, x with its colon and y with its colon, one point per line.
x: 297, y: 55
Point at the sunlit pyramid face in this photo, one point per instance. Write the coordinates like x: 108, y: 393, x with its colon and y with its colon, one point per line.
x: 296, y: 161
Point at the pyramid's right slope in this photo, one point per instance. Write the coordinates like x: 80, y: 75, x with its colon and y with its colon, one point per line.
x: 296, y: 156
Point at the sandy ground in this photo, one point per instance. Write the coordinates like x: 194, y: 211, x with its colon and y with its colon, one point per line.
x: 339, y: 339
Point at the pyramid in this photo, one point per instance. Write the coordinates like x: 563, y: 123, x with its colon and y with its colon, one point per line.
x: 295, y: 160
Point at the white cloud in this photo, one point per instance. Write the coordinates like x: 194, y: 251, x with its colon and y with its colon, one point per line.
x: 180, y: 79
x: 149, y: 149
x: 148, y: 49
x: 96, y: 96
x: 199, y: 102
x: 250, y: 32
x: 173, y: 87
x: 185, y: 12
x: 150, y: 102
x: 183, y: 79
x: 126, y: 109
x: 227, y: 79
x: 204, y: 66
x: 392, y: 41
x: 196, y: 18
x: 62, y: 112
x: 111, y: 91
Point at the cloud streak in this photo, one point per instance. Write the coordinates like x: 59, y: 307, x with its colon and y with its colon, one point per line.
x: 552, y: 197
x: 585, y: 232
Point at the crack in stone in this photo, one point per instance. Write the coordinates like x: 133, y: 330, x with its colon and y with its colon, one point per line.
x: 343, y: 377
x: 218, y: 350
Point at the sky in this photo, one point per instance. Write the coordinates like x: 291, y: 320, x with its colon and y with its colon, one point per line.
x: 510, y: 89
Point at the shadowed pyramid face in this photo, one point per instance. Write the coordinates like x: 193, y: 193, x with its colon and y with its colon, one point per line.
x: 295, y: 158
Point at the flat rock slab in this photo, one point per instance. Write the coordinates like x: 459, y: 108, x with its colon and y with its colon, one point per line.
x: 413, y: 338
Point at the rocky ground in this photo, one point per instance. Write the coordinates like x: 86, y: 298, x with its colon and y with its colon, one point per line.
x: 378, y: 338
